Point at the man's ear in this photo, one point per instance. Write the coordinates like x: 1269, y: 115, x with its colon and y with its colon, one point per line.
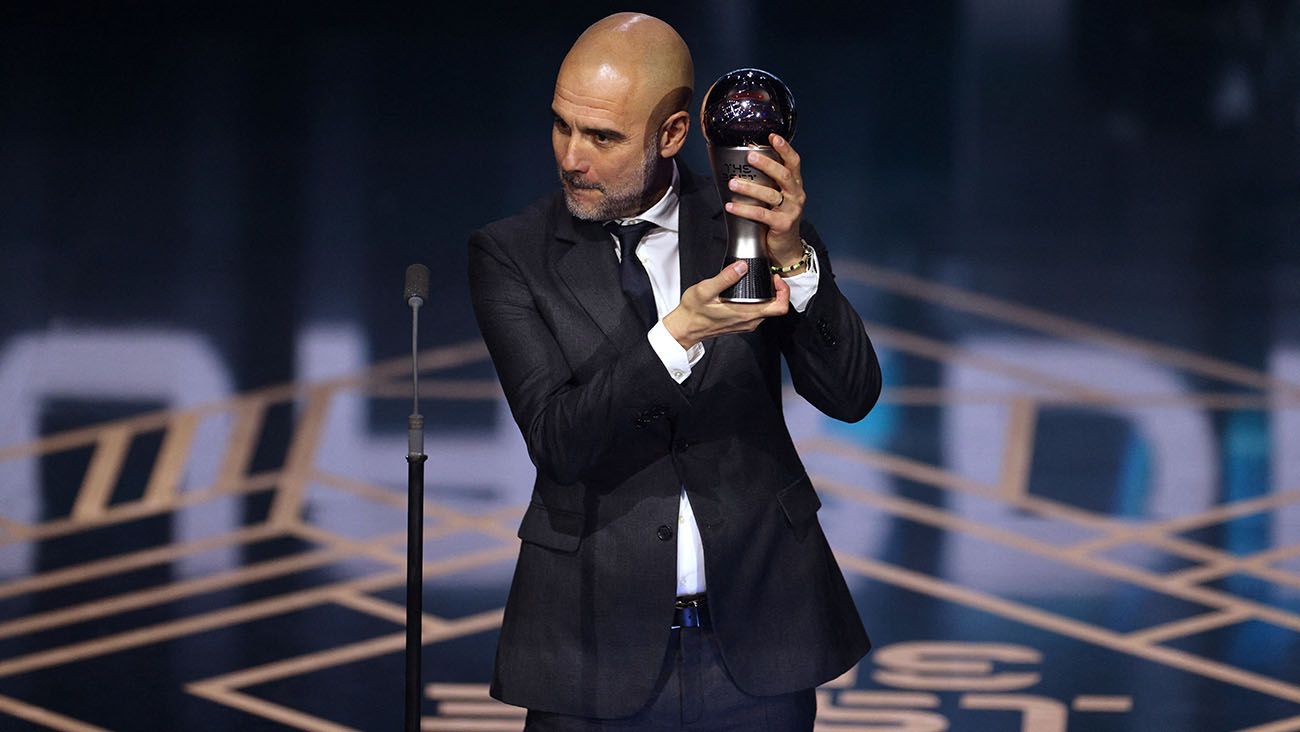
x: 672, y: 133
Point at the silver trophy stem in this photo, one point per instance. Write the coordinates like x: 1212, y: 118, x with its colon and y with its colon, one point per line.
x: 746, y: 239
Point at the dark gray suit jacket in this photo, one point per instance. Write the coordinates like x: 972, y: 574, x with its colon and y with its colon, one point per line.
x: 614, y: 438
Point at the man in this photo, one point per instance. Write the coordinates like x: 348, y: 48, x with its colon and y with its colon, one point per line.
x: 672, y: 572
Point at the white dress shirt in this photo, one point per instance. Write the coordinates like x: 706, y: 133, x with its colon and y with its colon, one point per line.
x: 658, y: 254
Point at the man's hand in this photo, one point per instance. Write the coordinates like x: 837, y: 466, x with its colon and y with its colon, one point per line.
x: 702, y: 314
x: 787, y: 201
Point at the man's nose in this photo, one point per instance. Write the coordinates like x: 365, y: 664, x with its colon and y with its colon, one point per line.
x: 573, y: 161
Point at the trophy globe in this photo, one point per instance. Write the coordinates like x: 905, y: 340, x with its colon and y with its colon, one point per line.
x: 744, y: 106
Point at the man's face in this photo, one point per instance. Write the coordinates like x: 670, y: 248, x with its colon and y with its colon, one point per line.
x: 604, y: 152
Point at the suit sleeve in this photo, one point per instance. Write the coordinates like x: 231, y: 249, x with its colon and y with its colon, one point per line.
x: 569, y: 423
x: 832, y: 362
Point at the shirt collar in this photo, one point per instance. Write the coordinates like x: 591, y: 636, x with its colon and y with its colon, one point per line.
x: 663, y: 214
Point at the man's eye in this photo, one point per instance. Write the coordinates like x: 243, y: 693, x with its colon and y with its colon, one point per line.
x: 602, y: 139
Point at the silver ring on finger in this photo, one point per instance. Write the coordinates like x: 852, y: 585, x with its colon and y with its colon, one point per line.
x: 781, y: 201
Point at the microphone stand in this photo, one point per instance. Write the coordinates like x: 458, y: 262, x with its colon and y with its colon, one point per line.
x: 417, y: 290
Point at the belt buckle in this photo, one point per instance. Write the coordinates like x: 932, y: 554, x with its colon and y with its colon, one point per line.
x: 685, y: 601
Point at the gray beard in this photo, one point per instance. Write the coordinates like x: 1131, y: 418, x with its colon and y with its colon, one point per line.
x: 612, y: 206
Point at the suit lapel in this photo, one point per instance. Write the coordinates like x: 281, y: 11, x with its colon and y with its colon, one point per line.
x: 702, y: 240
x: 702, y: 247
x: 587, y: 265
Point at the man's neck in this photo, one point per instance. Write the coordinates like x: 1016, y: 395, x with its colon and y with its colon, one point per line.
x: 663, y: 180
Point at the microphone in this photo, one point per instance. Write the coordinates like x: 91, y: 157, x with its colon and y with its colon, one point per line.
x: 739, y: 111
x: 415, y: 293
x: 417, y: 285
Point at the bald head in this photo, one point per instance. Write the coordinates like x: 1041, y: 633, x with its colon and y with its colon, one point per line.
x: 620, y: 115
x: 641, y: 56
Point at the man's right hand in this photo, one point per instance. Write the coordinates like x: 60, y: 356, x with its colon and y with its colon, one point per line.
x: 702, y: 314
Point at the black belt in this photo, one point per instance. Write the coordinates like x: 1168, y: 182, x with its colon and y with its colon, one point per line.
x: 691, y: 611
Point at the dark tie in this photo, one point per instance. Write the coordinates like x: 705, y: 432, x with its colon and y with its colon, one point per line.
x: 636, y: 283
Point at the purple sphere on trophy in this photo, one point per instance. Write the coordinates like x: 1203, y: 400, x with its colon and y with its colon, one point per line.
x: 744, y: 106
x: 741, y: 109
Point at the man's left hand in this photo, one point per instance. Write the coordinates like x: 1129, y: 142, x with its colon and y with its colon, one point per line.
x: 786, y: 201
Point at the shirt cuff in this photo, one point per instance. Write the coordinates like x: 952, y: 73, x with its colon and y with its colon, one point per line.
x: 804, y: 285
x: 677, y: 360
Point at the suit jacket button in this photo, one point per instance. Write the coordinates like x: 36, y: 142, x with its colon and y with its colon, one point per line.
x: 665, y: 533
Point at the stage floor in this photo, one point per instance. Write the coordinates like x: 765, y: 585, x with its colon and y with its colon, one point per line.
x: 1047, y: 525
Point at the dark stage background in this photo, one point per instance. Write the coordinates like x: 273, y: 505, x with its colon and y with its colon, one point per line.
x: 1073, y: 228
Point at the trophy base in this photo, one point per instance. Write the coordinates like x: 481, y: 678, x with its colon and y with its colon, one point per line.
x: 755, y: 286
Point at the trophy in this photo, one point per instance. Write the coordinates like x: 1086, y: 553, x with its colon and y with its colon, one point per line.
x: 739, y: 111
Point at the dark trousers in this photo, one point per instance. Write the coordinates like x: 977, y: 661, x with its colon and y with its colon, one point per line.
x: 694, y: 693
